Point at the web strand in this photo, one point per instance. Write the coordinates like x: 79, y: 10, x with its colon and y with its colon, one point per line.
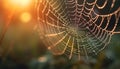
x: 77, y: 27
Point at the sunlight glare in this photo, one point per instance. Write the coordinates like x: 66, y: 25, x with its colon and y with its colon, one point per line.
x: 20, y: 2
x: 17, y: 3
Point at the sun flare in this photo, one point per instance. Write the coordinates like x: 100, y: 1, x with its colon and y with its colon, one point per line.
x: 20, y: 2
x: 17, y: 3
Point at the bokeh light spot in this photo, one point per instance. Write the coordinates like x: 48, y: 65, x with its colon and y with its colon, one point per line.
x: 25, y: 17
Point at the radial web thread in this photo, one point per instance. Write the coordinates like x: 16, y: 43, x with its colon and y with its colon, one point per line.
x: 78, y: 27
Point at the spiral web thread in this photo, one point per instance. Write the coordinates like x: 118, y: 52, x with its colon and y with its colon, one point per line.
x: 77, y: 27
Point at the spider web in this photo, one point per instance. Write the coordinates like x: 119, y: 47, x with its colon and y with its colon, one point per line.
x: 77, y: 27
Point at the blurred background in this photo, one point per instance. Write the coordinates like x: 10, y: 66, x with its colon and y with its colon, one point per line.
x: 21, y: 47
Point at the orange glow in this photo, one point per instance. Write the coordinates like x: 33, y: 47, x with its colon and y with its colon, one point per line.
x: 20, y: 2
x: 17, y: 3
x: 25, y: 17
